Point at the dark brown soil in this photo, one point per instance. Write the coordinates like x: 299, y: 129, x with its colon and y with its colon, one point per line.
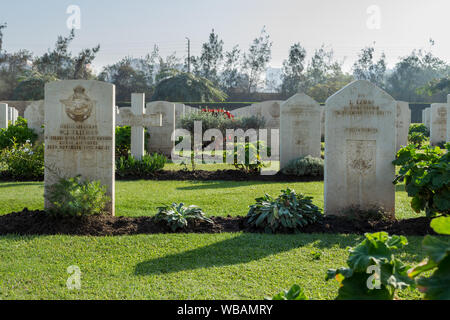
x: 219, y: 175
x: 41, y: 223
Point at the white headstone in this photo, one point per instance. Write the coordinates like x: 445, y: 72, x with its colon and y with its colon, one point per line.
x: 402, y: 123
x: 438, y: 129
x: 137, y: 132
x: 448, y: 118
x: 3, y: 116
x: 80, y: 133
x: 35, y: 115
x: 299, y: 128
x: 360, y: 147
x: 428, y: 118
x: 161, y: 137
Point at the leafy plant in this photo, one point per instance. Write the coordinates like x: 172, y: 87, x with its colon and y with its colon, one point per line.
x: 132, y: 167
x: 246, y: 156
x: 18, y: 133
x: 436, y: 286
x: 295, y: 293
x: 123, y: 141
x: 305, y: 166
x: 74, y: 197
x: 374, y: 255
x: 289, y: 211
x: 22, y: 162
x: 177, y: 216
x: 426, y: 173
x: 419, y: 128
x: 417, y: 138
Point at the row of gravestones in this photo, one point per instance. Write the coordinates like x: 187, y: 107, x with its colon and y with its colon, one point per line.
x: 360, y: 135
x: 437, y: 119
x: 8, y: 115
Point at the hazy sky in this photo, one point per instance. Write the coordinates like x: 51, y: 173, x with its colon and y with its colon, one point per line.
x: 132, y: 27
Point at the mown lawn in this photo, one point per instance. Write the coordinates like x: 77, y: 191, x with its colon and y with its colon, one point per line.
x: 217, y: 198
x: 193, y: 266
x: 221, y: 266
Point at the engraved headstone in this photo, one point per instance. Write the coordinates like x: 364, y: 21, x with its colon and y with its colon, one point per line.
x: 34, y: 114
x: 299, y: 128
x: 448, y: 118
x: 79, y: 133
x: 428, y: 118
x: 402, y: 123
x: 161, y: 137
x: 3, y: 116
x: 360, y: 147
x: 438, y: 121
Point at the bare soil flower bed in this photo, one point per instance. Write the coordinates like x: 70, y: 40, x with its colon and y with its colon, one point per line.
x: 41, y: 223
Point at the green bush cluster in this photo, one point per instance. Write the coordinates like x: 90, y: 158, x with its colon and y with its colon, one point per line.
x: 419, y: 128
x: 123, y: 141
x: 18, y: 133
x: 22, y: 162
x: 417, y: 138
x: 211, y: 121
x: 289, y: 211
x: 132, y: 167
x: 305, y: 166
x: 246, y: 156
x: 177, y: 216
x: 75, y: 197
x: 426, y: 173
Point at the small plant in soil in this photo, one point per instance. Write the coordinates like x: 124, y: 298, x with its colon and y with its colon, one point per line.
x: 74, y: 197
x: 373, y: 272
x: 289, y: 211
x: 177, y: 216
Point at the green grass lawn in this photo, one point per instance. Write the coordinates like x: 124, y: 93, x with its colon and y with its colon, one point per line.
x: 216, y: 198
x: 220, y: 266
x: 191, y: 266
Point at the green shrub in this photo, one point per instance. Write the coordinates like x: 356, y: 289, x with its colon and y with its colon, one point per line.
x: 250, y: 153
x: 132, y: 167
x: 419, y: 128
x: 305, y: 166
x: 18, y: 133
x: 417, y: 138
x: 123, y: 141
x: 22, y: 162
x: 426, y: 173
x: 373, y: 256
x: 295, y: 293
x: 177, y: 216
x: 74, y: 197
x: 437, y: 285
x: 289, y: 211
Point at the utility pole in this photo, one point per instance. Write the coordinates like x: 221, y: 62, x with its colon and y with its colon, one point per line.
x: 189, y: 54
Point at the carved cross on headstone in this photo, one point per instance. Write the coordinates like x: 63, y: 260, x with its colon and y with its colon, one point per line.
x: 137, y: 119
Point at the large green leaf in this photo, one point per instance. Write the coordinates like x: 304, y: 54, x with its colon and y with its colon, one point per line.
x: 441, y: 225
x: 437, y: 287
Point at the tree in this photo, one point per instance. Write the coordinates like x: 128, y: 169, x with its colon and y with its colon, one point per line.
x: 31, y: 86
x: 416, y: 71
x: 256, y: 60
x: 168, y: 68
x: 321, y: 67
x: 127, y: 78
x: 2, y: 26
x: 60, y: 63
x: 185, y: 87
x: 293, y: 77
x: 335, y: 82
x: 365, y: 68
x: 208, y: 64
x: 232, y: 77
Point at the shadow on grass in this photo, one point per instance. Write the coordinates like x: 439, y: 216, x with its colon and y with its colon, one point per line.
x: 243, y: 248
x: 204, y: 185
x: 4, y: 184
